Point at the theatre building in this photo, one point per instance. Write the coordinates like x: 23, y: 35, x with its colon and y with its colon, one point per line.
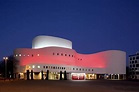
x: 52, y: 58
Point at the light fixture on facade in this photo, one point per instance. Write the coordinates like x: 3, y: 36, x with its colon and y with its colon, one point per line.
x: 38, y: 66
x: 33, y: 66
x: 19, y: 54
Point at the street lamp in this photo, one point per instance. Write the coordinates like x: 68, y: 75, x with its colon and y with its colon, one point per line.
x: 5, y: 59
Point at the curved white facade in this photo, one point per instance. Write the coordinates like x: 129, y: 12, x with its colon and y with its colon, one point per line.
x: 50, y: 41
x: 46, y: 53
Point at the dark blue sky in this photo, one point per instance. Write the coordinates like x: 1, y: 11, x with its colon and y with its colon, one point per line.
x: 92, y: 25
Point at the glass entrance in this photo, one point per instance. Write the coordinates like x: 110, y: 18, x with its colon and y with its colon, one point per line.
x: 54, y: 76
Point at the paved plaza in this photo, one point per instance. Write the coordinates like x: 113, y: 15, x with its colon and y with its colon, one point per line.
x: 69, y: 86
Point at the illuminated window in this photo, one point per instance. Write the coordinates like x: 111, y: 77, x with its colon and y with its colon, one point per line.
x: 19, y: 54
x: 38, y: 66
x: 16, y: 55
x: 33, y: 66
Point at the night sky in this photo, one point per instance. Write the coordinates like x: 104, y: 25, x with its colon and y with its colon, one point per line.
x: 92, y: 25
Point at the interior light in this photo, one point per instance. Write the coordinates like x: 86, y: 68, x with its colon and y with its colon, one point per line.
x: 33, y: 66
x: 38, y: 66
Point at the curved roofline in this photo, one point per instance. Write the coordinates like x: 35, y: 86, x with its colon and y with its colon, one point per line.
x: 42, y: 41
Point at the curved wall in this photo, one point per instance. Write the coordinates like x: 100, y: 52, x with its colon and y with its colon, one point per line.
x: 50, y: 41
x: 112, y: 61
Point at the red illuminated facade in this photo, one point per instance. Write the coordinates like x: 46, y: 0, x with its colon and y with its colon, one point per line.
x: 51, y: 53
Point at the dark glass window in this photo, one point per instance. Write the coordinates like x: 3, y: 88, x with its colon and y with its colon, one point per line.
x: 133, y: 58
x: 92, y: 69
x: 80, y: 69
x: 53, y: 67
x: 80, y: 59
x: 53, y: 53
x: 133, y: 65
x: 76, y: 68
x: 46, y: 66
x: 137, y: 57
x: 69, y: 55
x: 83, y: 69
x: 57, y: 53
x: 132, y: 61
x: 88, y: 69
x: 61, y: 54
x: 43, y: 66
x: 32, y: 55
x: 130, y: 65
x: 135, y: 61
x: 73, y: 68
x: 130, y: 58
x: 137, y: 72
x: 72, y: 55
x: 137, y: 65
x: 62, y: 67
x: 65, y: 54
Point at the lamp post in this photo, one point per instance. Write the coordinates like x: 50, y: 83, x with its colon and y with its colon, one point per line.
x: 5, y: 59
